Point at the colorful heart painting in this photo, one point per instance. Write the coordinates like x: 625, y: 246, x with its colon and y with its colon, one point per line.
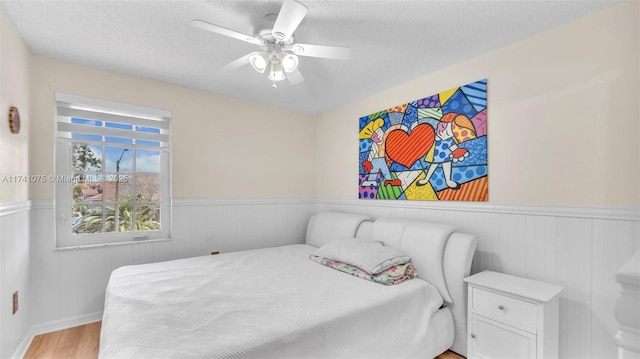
x: 406, y: 148
x: 434, y: 148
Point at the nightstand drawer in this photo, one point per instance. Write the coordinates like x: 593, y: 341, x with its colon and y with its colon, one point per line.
x: 504, y: 308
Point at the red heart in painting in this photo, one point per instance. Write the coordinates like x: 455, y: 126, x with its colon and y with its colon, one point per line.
x: 406, y: 149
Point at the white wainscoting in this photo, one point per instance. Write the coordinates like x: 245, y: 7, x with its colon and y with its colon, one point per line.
x: 580, y: 249
x: 69, y: 285
x: 15, y: 275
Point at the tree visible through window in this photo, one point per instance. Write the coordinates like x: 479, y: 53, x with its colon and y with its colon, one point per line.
x: 115, y: 163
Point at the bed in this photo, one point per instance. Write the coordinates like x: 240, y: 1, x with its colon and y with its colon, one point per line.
x: 277, y: 303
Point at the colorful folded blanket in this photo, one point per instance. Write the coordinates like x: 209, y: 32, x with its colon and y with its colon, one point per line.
x: 393, y: 275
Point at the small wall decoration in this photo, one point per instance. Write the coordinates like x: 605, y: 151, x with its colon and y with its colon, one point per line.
x: 434, y: 148
x: 14, y: 120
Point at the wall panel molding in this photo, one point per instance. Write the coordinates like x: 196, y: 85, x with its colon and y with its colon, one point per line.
x: 16, y: 207
x: 49, y: 204
x: 624, y: 214
x: 239, y: 202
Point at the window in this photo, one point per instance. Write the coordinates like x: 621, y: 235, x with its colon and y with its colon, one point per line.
x: 112, y: 172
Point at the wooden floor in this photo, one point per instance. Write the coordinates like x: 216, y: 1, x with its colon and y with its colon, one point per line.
x: 449, y: 355
x: 82, y: 343
x: 79, y: 342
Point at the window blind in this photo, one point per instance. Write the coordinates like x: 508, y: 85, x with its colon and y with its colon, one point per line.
x: 132, y: 122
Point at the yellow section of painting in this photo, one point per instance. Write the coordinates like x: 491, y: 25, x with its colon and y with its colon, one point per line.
x: 422, y: 193
x: 370, y: 128
x: 429, y: 156
x: 400, y: 108
x: 446, y: 95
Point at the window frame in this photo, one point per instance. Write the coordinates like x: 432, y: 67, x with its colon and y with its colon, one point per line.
x: 102, y: 110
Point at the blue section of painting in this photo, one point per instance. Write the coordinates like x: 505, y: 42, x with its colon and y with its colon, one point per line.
x: 395, y: 118
x: 396, y: 167
x: 364, y: 121
x: 365, y: 145
x: 410, y: 116
x: 431, y: 121
x: 427, y: 102
x: 477, y: 152
x: 458, y: 103
x: 477, y: 94
x: 364, y: 155
x: 459, y: 174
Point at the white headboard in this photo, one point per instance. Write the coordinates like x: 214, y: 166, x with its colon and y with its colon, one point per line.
x: 327, y: 226
x: 440, y: 253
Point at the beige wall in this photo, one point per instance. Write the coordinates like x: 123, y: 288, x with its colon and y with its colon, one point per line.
x: 14, y: 91
x: 15, y: 247
x: 563, y: 116
x: 563, y: 122
x: 222, y: 148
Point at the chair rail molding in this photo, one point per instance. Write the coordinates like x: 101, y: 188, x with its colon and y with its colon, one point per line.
x: 624, y: 214
x: 16, y: 207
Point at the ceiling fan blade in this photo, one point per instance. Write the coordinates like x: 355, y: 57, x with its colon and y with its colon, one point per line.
x: 295, y: 77
x: 226, y: 32
x: 236, y: 64
x: 326, y: 52
x: 290, y: 15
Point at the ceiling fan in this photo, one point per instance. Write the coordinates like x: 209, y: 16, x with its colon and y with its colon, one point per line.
x: 278, y: 50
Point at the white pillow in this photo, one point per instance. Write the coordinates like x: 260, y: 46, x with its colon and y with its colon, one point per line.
x: 370, y: 256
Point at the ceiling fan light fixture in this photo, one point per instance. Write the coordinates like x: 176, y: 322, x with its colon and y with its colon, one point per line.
x: 259, y: 62
x: 276, y: 73
x: 289, y: 62
x: 278, y: 48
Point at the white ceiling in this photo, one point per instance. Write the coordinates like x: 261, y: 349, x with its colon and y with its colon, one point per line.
x: 392, y: 41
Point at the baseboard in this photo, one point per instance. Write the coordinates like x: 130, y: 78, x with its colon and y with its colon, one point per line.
x: 67, y: 323
x: 52, y: 327
x: 24, y: 345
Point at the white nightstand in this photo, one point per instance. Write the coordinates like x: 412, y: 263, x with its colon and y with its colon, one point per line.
x: 511, y: 317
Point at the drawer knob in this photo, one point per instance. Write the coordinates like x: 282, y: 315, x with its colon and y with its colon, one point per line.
x: 501, y: 307
x: 473, y: 336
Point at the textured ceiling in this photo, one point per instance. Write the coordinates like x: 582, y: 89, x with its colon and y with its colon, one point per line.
x: 392, y: 41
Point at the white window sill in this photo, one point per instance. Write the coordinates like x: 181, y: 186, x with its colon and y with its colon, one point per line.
x: 89, y: 246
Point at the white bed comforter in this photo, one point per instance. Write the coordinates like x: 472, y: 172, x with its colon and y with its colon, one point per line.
x: 266, y: 303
